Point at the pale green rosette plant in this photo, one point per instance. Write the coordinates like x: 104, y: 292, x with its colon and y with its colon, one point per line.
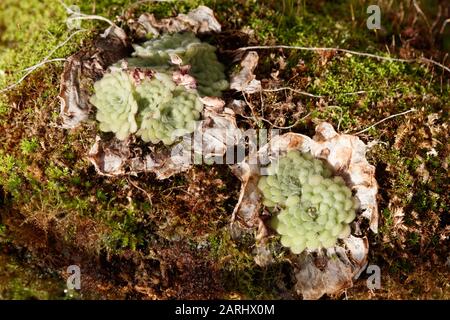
x: 116, y: 104
x: 149, y: 103
x: 156, y: 52
x: 205, y: 67
x: 169, y: 111
x: 316, y: 209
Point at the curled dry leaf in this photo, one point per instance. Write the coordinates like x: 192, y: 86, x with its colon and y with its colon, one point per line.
x: 217, y: 132
x: 214, y: 133
x: 245, y: 80
x: 340, y: 266
x: 200, y: 20
x: 346, y: 154
x: 109, y: 157
x: 85, y: 67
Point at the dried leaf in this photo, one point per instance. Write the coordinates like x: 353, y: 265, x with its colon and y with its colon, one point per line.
x: 84, y: 67
x: 245, y: 80
x: 200, y: 20
x: 346, y: 154
x: 109, y: 157
x: 342, y: 265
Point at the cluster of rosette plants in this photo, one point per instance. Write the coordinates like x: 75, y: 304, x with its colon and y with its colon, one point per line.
x: 157, y: 95
x: 157, y: 107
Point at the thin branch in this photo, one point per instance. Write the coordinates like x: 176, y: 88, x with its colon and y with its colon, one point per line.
x: 293, y: 90
x: 313, y: 95
x: 444, y: 25
x: 46, y: 60
x: 82, y: 16
x: 356, y: 92
x: 62, y: 44
x: 288, y: 127
x: 31, y: 69
x: 256, y: 118
x: 423, y: 16
x: 139, y: 188
x: 383, y: 120
x: 436, y: 63
x: 364, y: 54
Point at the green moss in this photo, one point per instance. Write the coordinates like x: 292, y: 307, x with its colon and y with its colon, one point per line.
x: 29, y: 146
x: 2, y: 230
x: 388, y: 221
x: 18, y: 282
x: 46, y: 176
x: 241, y: 275
x: 127, y: 229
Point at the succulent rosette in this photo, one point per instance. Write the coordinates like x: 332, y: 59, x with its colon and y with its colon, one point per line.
x: 116, y: 104
x: 206, y: 69
x: 167, y: 111
x: 158, y: 54
x: 316, y: 208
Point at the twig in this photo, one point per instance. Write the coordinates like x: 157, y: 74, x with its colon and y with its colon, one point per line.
x: 139, y: 188
x: 288, y: 127
x: 83, y: 16
x: 262, y: 101
x: 444, y: 25
x: 435, y: 63
x: 423, y: 15
x: 364, y: 54
x: 62, y: 44
x: 356, y: 92
x: 256, y: 118
x: 370, y: 55
x: 177, y: 187
x: 31, y: 69
x: 293, y: 90
x: 46, y: 60
x: 387, y: 118
x: 313, y: 95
